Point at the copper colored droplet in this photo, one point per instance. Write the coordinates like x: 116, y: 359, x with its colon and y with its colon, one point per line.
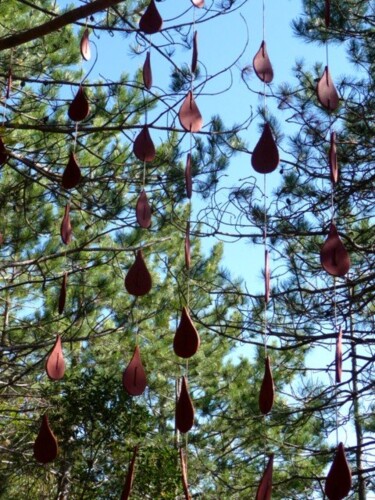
x: 151, y: 21
x: 72, y: 173
x: 62, y: 295
x: 327, y: 13
x: 333, y: 164
x: 85, y: 45
x: 184, y: 475
x: 186, y: 340
x: 45, y: 446
x: 264, y: 491
x: 333, y: 255
x: 189, y: 114
x: 339, y: 478
x: 194, y: 59
x: 55, y: 366
x: 187, y: 246
x: 267, y: 390
x: 129, y: 477
x: 66, y: 228
x: 138, y: 280
x: 198, y: 3
x: 326, y: 91
x: 147, y: 72
x: 143, y: 147
x: 3, y: 153
x: 267, y: 276
x: 143, y: 211
x: 265, y: 157
x: 188, y: 177
x: 184, y: 409
x: 262, y: 64
x: 134, y: 376
x: 338, y: 356
x: 79, y: 108
x: 9, y: 84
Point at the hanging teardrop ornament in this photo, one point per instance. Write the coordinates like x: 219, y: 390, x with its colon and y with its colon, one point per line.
x: 194, y: 59
x: 267, y: 390
x: 198, y: 3
x: 184, y: 475
x: 9, y: 84
x: 62, y: 296
x: 262, y: 64
x: 134, y: 376
x: 147, y: 72
x: 267, y: 276
x: 184, y: 409
x: 327, y: 13
x: 129, y: 476
x: 45, y: 446
x: 151, y: 21
x: 55, y: 366
x: 338, y: 357
x: 188, y: 177
x: 72, y: 173
x: 143, y: 211
x: 264, y: 491
x: 187, y: 246
x: 66, y: 228
x: 265, y: 157
x: 339, y: 478
x: 85, y: 45
x: 189, y: 115
x: 326, y: 91
x: 79, y: 108
x: 333, y: 256
x: 333, y: 164
x: 138, y: 280
x: 3, y: 153
x: 186, y: 340
x: 143, y: 147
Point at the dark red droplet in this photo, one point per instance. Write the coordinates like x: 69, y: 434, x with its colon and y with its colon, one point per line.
x: 143, y: 147
x: 267, y: 390
x: 62, y: 295
x: 265, y: 157
x: 333, y: 256
x: 147, y: 72
x: 326, y: 91
x: 45, y: 446
x: 55, y: 366
x: 186, y: 340
x: 138, y: 280
x: 262, y: 64
x: 187, y: 246
x: 129, y: 476
x: 151, y: 21
x: 3, y: 153
x: 85, y: 45
x: 339, y: 478
x: 134, y: 376
x: 184, y: 475
x: 264, y: 491
x: 66, y: 228
x: 79, y: 108
x: 194, y: 59
x: 188, y: 177
x: 72, y: 173
x: 143, y: 211
x: 184, y: 409
x: 333, y: 164
x: 338, y: 357
x: 189, y: 114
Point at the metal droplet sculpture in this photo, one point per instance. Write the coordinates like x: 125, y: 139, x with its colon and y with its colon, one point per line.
x: 184, y: 475
x: 147, y: 72
x: 339, y: 478
x: 189, y: 115
x: 55, y: 366
x: 186, y: 340
x: 129, y: 476
x: 326, y: 91
x: 184, y: 409
x: 333, y: 164
x: 188, y: 177
x: 338, y: 357
x: 62, y: 296
x: 327, y: 13
x: 66, y: 228
x: 143, y: 210
x: 151, y: 21
x: 187, y: 246
x: 265, y: 157
x: 198, y: 3
x: 85, y: 45
x: 264, y: 491
x: 333, y: 256
x: 72, y: 173
x: 262, y: 64
x: 45, y: 446
x: 138, y: 280
x: 267, y: 390
x: 194, y: 58
x: 134, y: 376
x: 143, y: 147
x: 3, y: 153
x: 79, y: 108
x: 267, y: 276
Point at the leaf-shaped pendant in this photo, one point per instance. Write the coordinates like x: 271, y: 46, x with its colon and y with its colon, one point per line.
x: 326, y: 91
x: 66, y: 228
x: 72, y: 173
x: 147, y: 72
x: 188, y: 177
x: 338, y: 357
x: 138, y: 280
x: 85, y: 45
x: 134, y: 376
x: 262, y: 64
x: 265, y: 157
x: 264, y: 491
x: 3, y: 153
x: 129, y: 477
x: 267, y: 390
x: 187, y: 246
x: 333, y: 255
x: 143, y: 147
x: 62, y: 295
x: 198, y: 3
x: 327, y: 13
x: 333, y: 165
x: 184, y: 475
x: 55, y: 366
x: 339, y: 478
x: 143, y: 211
x: 184, y: 409
x: 79, y: 108
x: 189, y: 114
x: 45, y: 446
x: 186, y: 340
x: 151, y: 21
x: 267, y: 276
x: 194, y: 59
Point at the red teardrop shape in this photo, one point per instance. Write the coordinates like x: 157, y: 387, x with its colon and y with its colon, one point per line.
x: 66, y: 228
x: 189, y: 114
x: 194, y: 59
x: 338, y: 356
x: 9, y: 84
x: 143, y: 211
x: 188, y: 177
x: 187, y: 246
x: 198, y: 3
x: 134, y: 376
x: 85, y: 45
x: 138, y: 280
x: 327, y: 13
x: 72, y: 173
x: 129, y: 476
x: 333, y: 255
x: 264, y: 491
x: 143, y: 147
x: 3, y: 153
x: 333, y: 164
x: 184, y: 409
x: 186, y: 340
x: 62, y: 295
x: 262, y: 64
x: 267, y: 390
x: 79, y: 108
x: 147, y: 72
x: 184, y: 475
x: 339, y: 478
x: 326, y: 91
x: 265, y: 157
x: 55, y: 366
x: 151, y: 21
x: 45, y: 446
x: 267, y: 276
